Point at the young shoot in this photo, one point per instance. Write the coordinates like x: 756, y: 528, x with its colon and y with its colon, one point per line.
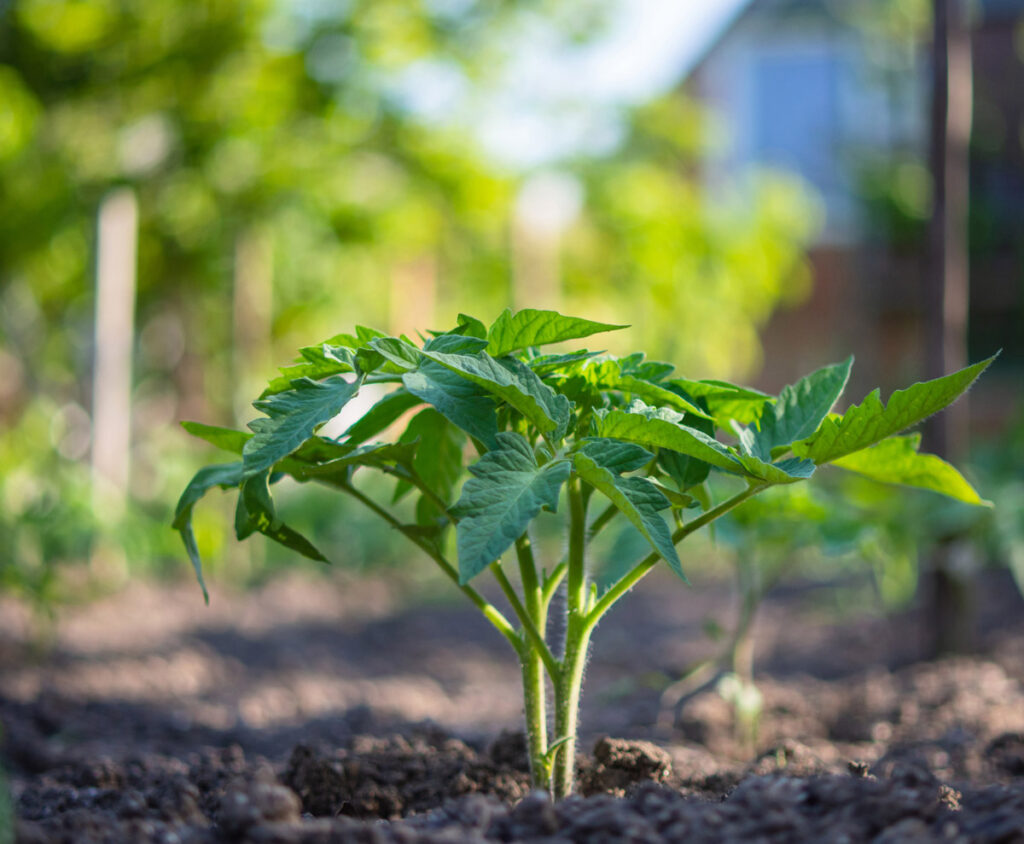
x: 592, y: 436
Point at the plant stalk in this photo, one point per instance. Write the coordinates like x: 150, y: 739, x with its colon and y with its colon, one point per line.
x: 567, y: 707
x: 570, y: 679
x: 489, y: 611
x: 647, y: 563
x: 533, y: 663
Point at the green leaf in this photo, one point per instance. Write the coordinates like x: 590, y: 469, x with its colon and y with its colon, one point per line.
x: 601, y: 462
x: 471, y: 326
x: 725, y: 402
x: 379, y: 417
x: 455, y: 344
x: 615, y: 455
x: 516, y: 384
x: 869, y: 422
x: 687, y: 471
x: 896, y: 460
x: 652, y: 394
x: 800, y: 409
x: 320, y: 459
x: 786, y: 471
x: 226, y: 438
x: 460, y: 401
x: 530, y: 327
x: 317, y: 362
x: 224, y: 475
x: 292, y: 417
x: 404, y: 355
x: 507, y: 490
x: 551, y: 364
x: 259, y: 509
x: 661, y: 428
x: 244, y: 526
x: 438, y: 458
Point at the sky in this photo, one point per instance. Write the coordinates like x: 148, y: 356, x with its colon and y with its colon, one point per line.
x: 557, y: 101
x: 557, y: 98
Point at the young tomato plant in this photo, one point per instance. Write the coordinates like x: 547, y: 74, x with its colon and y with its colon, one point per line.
x: 535, y: 429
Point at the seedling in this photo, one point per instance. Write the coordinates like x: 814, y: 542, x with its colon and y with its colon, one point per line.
x: 597, y: 434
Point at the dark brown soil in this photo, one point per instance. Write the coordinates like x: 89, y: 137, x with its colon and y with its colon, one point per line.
x: 331, y: 711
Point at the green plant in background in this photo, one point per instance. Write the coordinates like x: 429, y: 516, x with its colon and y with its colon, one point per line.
x: 533, y: 429
x: 47, y: 523
x: 765, y: 539
x: 774, y: 537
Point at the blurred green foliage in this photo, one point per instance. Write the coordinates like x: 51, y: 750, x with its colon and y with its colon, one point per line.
x: 289, y: 126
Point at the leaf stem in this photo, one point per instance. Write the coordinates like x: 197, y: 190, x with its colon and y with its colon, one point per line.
x: 569, y: 681
x: 411, y: 476
x: 577, y: 548
x: 550, y: 663
x: 533, y: 665
x: 645, y: 565
x: 490, y: 612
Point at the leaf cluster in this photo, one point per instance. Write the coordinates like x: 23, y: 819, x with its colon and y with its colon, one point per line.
x: 485, y: 400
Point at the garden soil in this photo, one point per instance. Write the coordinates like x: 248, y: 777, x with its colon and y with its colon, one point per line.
x: 336, y: 710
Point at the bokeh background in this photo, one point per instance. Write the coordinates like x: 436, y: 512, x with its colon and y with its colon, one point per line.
x: 189, y: 192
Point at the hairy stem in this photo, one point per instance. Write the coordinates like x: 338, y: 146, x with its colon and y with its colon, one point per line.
x: 533, y: 635
x: 533, y: 664
x: 570, y: 679
x: 647, y: 563
x: 577, y: 548
x: 567, y: 707
x: 489, y: 611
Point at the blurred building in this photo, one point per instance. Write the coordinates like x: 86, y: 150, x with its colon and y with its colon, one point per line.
x: 828, y: 90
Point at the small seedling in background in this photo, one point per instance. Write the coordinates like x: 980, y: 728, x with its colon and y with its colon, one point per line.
x: 588, y: 432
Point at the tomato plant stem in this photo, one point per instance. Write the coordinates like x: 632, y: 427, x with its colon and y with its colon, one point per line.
x: 489, y: 611
x: 533, y: 661
x: 570, y: 678
x: 637, y: 573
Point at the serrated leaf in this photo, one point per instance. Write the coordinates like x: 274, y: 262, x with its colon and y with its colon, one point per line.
x: 507, y: 490
x: 896, y: 460
x: 438, y: 458
x: 652, y: 394
x: 637, y: 365
x: 244, y: 526
x: 224, y: 475
x: 511, y: 332
x: 865, y: 424
x: 259, y: 509
x: 725, y: 402
x: 551, y: 364
x: 318, y: 362
x: 383, y: 414
x: 292, y: 417
x: 600, y: 463
x: 786, y: 471
x: 799, y: 409
x: 320, y: 459
x: 616, y: 455
x: 404, y: 355
x: 687, y: 471
x: 455, y: 344
x: 676, y: 499
x: 459, y: 400
x: 471, y: 326
x: 661, y: 428
x: 516, y: 384
x: 227, y: 439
